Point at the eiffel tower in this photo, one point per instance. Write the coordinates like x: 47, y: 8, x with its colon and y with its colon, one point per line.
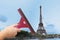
x: 41, y: 29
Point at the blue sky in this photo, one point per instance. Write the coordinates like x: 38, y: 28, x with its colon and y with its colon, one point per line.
x: 50, y: 11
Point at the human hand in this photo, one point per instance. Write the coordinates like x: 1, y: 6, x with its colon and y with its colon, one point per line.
x: 10, y: 31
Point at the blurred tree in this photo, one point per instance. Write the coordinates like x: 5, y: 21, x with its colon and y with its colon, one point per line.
x: 23, y: 34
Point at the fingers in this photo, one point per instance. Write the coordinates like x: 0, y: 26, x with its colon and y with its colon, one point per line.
x: 18, y: 30
x: 14, y: 25
x: 10, y: 30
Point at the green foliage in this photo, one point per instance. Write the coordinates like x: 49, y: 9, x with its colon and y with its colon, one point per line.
x: 23, y: 34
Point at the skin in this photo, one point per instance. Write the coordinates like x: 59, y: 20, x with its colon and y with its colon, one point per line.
x: 9, y: 32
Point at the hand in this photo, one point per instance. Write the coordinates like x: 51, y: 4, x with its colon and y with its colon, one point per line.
x: 10, y: 31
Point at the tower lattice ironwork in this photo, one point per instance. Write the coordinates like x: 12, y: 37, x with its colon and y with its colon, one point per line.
x: 41, y: 29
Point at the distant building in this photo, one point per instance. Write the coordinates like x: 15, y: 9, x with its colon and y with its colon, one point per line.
x: 41, y: 29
